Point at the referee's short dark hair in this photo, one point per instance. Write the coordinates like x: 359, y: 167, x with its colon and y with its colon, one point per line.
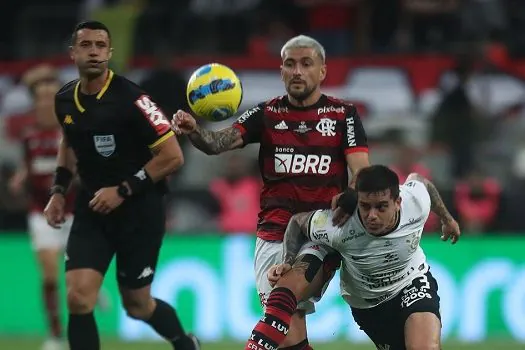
x: 93, y: 25
x: 377, y: 178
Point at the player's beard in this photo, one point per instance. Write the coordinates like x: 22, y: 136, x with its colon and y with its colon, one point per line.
x: 301, y: 95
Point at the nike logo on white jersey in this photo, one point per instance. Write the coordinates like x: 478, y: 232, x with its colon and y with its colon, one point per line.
x: 281, y: 126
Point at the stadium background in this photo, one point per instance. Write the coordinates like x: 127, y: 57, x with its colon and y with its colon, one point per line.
x: 398, y: 61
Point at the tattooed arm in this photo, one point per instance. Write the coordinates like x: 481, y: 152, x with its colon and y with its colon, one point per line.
x: 209, y: 142
x: 450, y: 228
x: 247, y: 129
x: 215, y: 142
x: 295, y: 236
x: 436, y: 202
x: 303, y: 273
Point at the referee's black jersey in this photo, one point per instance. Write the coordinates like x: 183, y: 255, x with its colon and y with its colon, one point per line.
x: 112, y: 133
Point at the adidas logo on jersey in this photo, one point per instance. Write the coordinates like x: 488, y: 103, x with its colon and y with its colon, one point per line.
x: 281, y: 126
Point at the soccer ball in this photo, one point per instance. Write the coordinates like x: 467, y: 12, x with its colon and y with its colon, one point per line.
x: 214, y: 92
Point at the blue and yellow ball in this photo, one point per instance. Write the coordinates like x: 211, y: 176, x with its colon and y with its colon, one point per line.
x: 214, y: 92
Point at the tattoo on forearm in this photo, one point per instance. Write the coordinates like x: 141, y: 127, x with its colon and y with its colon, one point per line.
x: 293, y: 240
x: 295, y: 236
x: 300, y: 265
x: 436, y: 202
x: 214, y: 142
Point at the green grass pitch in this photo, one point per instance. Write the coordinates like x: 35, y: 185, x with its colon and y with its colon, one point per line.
x: 34, y: 344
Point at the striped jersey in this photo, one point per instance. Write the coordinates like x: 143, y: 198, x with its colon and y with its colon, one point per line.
x: 301, y: 156
x: 40, y: 155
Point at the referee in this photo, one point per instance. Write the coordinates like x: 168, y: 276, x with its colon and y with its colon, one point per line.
x: 121, y: 145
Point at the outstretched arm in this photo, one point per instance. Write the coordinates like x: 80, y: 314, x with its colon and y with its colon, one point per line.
x: 247, y: 129
x: 215, y: 142
x: 209, y: 142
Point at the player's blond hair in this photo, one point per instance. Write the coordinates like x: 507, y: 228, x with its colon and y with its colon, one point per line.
x: 304, y: 41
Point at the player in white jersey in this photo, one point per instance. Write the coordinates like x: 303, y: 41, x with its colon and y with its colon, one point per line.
x: 385, y: 277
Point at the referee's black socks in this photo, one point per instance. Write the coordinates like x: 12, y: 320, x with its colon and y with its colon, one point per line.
x: 82, y: 332
x: 166, y: 323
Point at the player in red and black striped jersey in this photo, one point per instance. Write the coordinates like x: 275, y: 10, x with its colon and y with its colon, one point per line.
x: 303, y: 157
x: 307, y: 141
x: 40, y: 145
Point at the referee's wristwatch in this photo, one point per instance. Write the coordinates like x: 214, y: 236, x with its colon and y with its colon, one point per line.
x: 123, y: 191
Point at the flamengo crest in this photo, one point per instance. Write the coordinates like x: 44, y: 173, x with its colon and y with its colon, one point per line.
x: 326, y: 127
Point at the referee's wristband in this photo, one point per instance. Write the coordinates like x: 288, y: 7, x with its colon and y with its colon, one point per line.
x: 61, y: 181
x: 57, y: 189
x: 140, y: 182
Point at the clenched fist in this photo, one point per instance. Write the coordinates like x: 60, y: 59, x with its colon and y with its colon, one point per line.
x: 183, y: 123
x: 276, y: 272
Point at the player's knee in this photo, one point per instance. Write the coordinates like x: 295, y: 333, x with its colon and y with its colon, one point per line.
x: 294, y: 283
x: 82, y: 290
x: 48, y: 265
x: 50, y: 282
x: 422, y: 331
x: 80, y: 300
x: 423, y: 344
x: 137, y: 311
x: 49, y: 275
x: 138, y: 308
x: 303, y: 278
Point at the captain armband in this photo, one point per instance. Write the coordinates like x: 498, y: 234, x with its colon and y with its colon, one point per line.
x: 348, y: 201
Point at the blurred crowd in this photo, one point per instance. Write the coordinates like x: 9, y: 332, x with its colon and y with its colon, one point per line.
x: 35, y: 28
x: 475, y: 156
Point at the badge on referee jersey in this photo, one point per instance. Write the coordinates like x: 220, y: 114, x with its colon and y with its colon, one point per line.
x: 104, y: 144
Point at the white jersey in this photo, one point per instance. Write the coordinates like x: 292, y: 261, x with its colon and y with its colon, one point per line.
x: 375, y: 269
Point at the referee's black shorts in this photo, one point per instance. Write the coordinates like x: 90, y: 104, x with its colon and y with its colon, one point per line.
x: 133, y: 232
